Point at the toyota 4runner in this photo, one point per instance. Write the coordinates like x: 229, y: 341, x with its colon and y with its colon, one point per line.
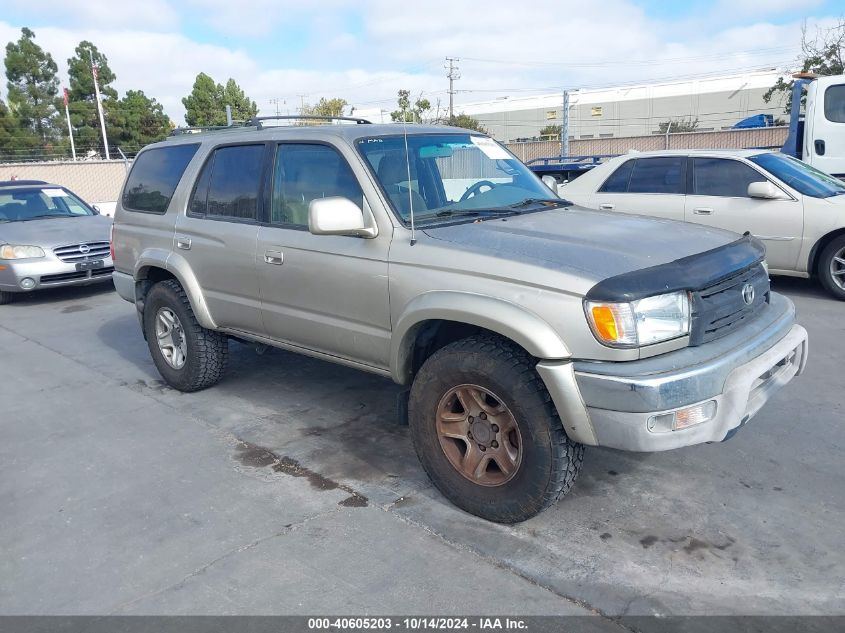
x: 525, y: 327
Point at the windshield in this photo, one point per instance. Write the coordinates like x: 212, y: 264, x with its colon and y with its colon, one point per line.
x: 449, y: 175
x: 800, y: 176
x: 21, y: 205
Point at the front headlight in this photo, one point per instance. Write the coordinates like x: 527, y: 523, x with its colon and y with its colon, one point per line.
x: 16, y: 251
x: 642, y: 322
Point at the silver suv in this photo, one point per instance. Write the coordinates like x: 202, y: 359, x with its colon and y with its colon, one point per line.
x: 525, y: 328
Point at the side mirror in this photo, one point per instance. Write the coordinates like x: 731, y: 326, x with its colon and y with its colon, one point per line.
x: 96, y: 209
x: 764, y: 191
x: 550, y: 182
x: 337, y: 216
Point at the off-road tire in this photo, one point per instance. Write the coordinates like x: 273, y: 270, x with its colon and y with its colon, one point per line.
x: 823, y: 270
x: 207, y: 350
x: 550, y: 460
x: 6, y: 297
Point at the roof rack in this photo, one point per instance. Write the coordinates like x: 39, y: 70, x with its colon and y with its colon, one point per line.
x: 179, y: 131
x: 256, y: 121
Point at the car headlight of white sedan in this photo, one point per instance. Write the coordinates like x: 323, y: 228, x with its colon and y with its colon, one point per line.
x: 642, y: 322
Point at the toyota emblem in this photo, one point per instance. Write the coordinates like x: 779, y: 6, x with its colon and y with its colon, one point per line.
x: 748, y: 294
x: 84, y: 249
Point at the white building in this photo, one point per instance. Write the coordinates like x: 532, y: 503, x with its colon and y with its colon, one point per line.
x: 717, y: 102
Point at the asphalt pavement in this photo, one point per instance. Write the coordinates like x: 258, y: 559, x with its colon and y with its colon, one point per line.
x: 289, y: 488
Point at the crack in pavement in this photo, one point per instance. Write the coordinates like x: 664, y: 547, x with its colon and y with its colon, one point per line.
x: 232, y: 552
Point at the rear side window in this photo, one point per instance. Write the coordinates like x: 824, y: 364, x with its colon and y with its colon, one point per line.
x: 658, y: 175
x: 834, y: 104
x: 305, y: 172
x: 229, y: 183
x: 154, y: 177
x: 721, y: 177
x: 618, y: 181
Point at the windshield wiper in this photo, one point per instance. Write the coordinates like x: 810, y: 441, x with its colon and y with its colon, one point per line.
x: 544, y: 201
x: 450, y: 213
x: 46, y: 215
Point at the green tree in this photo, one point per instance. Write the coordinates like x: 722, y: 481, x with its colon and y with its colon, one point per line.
x: 84, y: 117
x: 678, y: 125
x: 202, y: 106
x: 32, y: 85
x: 206, y: 105
x: 243, y: 108
x: 822, y: 54
x: 410, y: 113
x: 467, y: 122
x: 551, y: 130
x: 325, y: 107
x: 138, y: 120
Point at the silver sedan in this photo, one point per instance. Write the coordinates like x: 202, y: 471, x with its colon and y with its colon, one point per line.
x: 49, y: 237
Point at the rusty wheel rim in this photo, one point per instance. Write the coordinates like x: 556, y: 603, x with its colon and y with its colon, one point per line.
x: 479, y: 435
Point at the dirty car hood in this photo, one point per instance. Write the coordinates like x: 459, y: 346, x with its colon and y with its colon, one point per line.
x: 50, y: 233
x: 593, y: 244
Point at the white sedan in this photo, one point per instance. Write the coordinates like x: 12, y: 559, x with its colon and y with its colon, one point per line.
x: 796, y: 210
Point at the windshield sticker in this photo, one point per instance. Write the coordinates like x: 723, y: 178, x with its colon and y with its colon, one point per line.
x: 491, y: 148
x: 55, y: 193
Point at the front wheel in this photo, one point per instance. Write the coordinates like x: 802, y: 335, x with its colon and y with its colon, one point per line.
x: 487, y: 433
x: 188, y: 356
x: 832, y: 267
x: 6, y: 297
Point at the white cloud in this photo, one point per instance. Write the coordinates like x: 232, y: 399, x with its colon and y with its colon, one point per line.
x: 152, y: 14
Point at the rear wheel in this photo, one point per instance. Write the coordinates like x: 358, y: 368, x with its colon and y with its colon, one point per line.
x: 6, y: 297
x: 487, y: 433
x: 831, y: 268
x: 188, y: 356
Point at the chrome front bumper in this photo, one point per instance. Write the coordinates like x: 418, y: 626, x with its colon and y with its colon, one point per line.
x: 49, y: 272
x: 618, y: 402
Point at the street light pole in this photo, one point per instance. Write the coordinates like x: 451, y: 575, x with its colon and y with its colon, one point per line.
x: 99, y: 103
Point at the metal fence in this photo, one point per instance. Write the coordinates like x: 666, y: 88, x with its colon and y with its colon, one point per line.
x: 725, y: 139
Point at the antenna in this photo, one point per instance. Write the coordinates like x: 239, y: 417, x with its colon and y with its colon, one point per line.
x: 408, y: 167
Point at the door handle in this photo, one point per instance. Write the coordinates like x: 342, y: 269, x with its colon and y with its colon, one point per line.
x: 184, y: 243
x: 274, y: 257
x: 703, y: 211
x: 607, y: 206
x: 819, y: 144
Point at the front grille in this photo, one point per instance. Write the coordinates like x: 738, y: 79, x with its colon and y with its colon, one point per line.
x: 721, y: 308
x: 76, y: 252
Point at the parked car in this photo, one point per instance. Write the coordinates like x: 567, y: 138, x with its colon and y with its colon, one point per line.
x: 797, y: 211
x: 49, y: 238
x: 525, y: 328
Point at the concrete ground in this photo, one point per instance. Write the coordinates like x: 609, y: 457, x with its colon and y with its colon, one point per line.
x: 289, y: 489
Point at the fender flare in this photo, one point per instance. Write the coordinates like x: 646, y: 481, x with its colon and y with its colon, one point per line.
x: 508, y: 319
x: 176, y: 265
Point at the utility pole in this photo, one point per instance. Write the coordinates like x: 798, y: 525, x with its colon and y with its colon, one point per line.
x: 275, y: 102
x: 564, y: 128
x: 66, y: 99
x: 99, y: 103
x: 453, y: 74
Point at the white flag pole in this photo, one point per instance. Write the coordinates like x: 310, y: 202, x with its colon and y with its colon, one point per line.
x: 69, y: 128
x: 99, y: 104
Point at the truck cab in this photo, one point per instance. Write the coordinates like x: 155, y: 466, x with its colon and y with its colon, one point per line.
x: 818, y: 136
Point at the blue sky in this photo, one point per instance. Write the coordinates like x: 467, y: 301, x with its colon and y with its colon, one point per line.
x: 366, y: 51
